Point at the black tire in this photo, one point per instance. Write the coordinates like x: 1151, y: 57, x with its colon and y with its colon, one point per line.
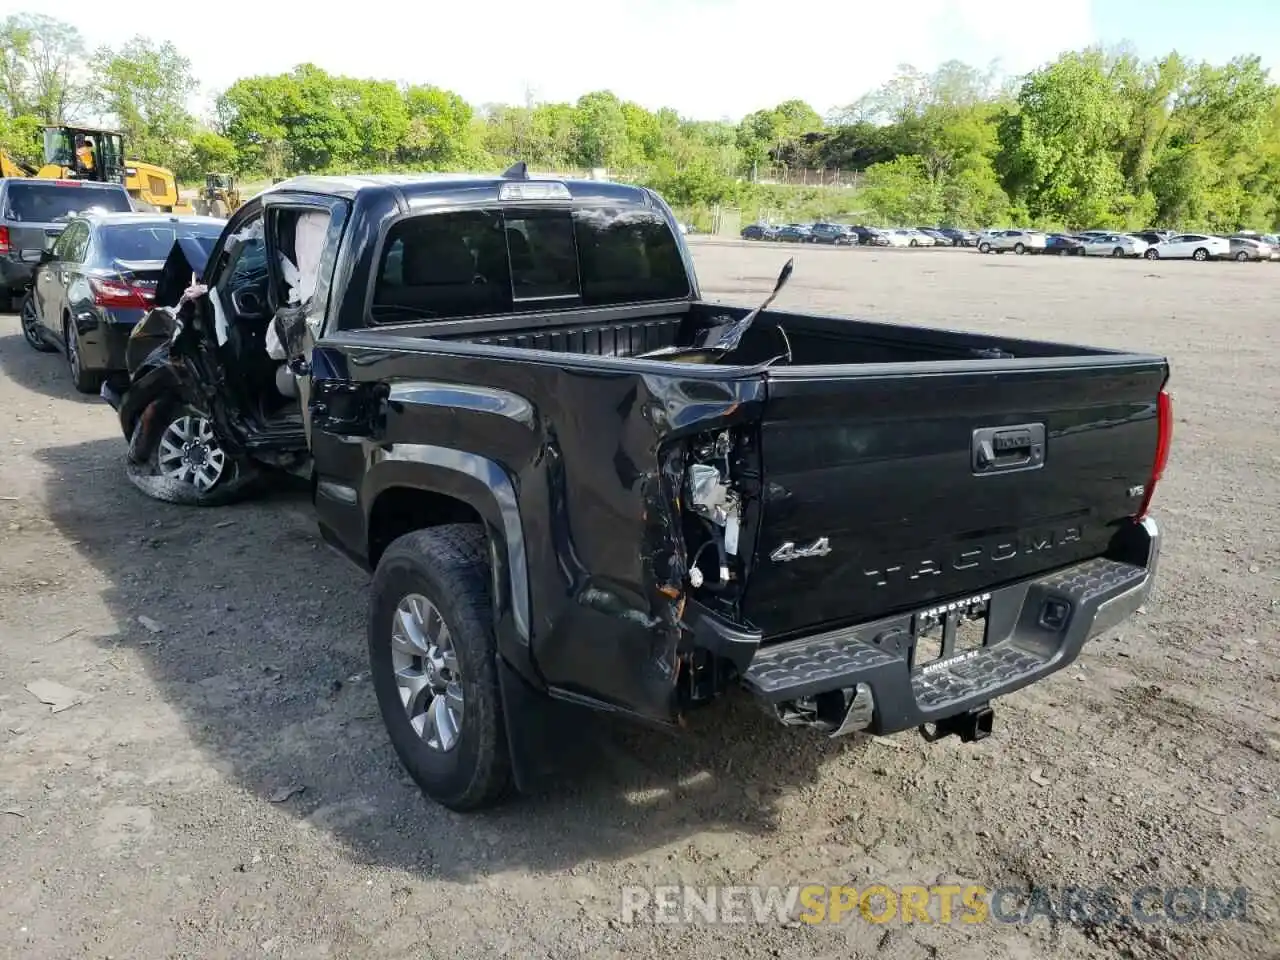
x: 984, y: 247
x: 1200, y: 254
x: 1019, y: 249
x: 30, y: 320
x: 914, y: 243
x: 1241, y: 257
x: 85, y: 381
x: 240, y: 476
x: 1118, y: 252
x: 1152, y: 254
x: 449, y: 566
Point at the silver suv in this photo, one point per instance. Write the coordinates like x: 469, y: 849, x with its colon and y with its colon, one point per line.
x: 33, y: 213
x: 1019, y: 241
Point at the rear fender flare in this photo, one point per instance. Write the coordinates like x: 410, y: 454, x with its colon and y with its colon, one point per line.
x: 485, y: 486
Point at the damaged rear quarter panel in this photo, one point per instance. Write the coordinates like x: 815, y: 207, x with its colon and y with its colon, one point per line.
x: 596, y: 460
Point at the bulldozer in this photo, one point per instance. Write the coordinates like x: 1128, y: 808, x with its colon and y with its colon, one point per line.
x: 220, y: 196
x: 87, y: 153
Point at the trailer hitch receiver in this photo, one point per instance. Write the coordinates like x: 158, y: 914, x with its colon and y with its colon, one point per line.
x: 970, y: 726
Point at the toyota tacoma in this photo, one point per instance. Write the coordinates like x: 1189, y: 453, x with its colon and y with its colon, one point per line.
x: 578, y: 482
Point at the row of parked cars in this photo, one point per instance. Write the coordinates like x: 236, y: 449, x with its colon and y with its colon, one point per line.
x: 842, y: 234
x: 1149, y: 244
x: 83, y: 265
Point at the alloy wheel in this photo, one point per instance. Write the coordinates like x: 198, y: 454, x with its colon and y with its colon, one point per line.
x: 426, y: 672
x: 189, y: 452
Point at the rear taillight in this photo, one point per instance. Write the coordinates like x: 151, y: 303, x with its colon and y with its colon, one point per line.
x: 1164, y: 439
x: 118, y: 293
x: 4, y: 239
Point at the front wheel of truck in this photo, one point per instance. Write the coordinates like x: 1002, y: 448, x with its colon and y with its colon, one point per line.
x: 433, y: 659
x: 175, y: 456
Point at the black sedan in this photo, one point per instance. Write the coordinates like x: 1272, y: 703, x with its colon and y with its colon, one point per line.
x: 1063, y: 246
x: 96, y: 281
x: 759, y: 231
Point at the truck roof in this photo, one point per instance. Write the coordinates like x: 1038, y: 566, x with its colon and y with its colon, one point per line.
x: 468, y: 187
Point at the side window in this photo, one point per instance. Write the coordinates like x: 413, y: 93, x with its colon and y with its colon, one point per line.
x: 78, y: 245
x: 249, y: 266
x: 444, y: 265
x: 627, y: 255
x: 63, y: 245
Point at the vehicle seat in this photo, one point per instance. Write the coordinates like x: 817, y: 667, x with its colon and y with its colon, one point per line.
x: 439, y: 274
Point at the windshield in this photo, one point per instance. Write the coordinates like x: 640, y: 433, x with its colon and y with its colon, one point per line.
x: 150, y: 241
x: 49, y: 202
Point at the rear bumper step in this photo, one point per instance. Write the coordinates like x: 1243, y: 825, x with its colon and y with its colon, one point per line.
x: 1034, y: 628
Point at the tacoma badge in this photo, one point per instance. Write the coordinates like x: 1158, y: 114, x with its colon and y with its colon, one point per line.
x: 789, y: 551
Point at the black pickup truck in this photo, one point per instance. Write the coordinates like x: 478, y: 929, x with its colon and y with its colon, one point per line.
x: 577, y: 482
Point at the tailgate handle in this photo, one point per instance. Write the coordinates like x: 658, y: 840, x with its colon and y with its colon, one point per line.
x: 1002, y: 449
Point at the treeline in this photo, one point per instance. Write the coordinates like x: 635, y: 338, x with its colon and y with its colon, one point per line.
x: 1097, y: 138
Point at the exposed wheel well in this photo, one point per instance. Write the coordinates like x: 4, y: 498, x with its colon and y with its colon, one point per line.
x: 401, y: 510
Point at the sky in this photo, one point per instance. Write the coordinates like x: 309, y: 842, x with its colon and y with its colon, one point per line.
x: 709, y: 59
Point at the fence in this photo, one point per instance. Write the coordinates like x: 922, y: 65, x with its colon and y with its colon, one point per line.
x: 809, y: 176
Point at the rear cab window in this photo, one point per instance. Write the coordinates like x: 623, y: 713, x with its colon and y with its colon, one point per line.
x: 47, y: 202
x: 515, y: 259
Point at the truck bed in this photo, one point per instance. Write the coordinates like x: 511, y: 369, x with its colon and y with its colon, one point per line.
x: 814, y: 339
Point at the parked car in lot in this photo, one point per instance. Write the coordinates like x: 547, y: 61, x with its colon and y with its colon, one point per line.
x: 897, y: 238
x: 759, y: 231
x: 918, y: 238
x: 544, y: 443
x: 1114, y: 245
x: 34, y: 212
x: 1063, y: 245
x: 793, y: 233
x: 96, y: 281
x: 832, y: 233
x: 1190, y: 246
x: 1249, y: 248
x: 1017, y: 241
x: 959, y: 238
x: 869, y: 236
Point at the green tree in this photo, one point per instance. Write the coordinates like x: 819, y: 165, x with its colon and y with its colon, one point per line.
x: 144, y: 86
x: 209, y: 153
x: 440, y: 131
x: 1059, y: 154
x: 42, y: 71
x: 601, y: 130
x: 902, y: 192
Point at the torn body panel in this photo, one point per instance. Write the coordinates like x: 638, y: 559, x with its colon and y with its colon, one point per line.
x: 599, y: 462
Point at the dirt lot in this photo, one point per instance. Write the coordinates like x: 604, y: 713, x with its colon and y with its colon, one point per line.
x: 228, y: 790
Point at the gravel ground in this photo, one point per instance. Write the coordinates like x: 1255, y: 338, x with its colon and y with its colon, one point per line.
x: 225, y: 788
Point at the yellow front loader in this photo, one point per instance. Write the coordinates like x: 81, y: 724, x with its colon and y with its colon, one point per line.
x: 85, y: 153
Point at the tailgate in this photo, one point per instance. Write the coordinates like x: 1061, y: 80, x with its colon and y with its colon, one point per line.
x: 887, y: 490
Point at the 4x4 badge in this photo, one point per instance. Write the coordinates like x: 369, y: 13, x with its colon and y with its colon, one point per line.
x: 789, y: 551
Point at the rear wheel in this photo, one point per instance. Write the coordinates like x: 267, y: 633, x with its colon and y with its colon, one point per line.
x: 433, y: 660
x: 1152, y: 254
x: 31, y: 326
x: 1200, y: 254
x: 85, y: 381
x: 1118, y: 252
x: 1241, y: 257
x: 187, y: 463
